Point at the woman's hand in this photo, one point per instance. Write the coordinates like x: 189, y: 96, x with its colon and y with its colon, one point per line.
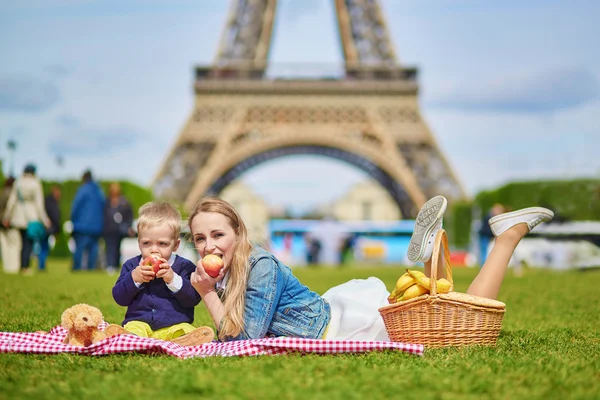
x: 202, y: 282
x: 205, y: 286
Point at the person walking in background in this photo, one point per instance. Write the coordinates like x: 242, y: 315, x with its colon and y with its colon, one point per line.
x: 10, y: 239
x: 52, y: 205
x: 485, y: 232
x: 87, y: 217
x: 118, y: 219
x: 347, y: 249
x: 25, y: 211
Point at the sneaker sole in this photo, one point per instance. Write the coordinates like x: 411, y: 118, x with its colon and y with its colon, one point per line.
x: 428, y: 217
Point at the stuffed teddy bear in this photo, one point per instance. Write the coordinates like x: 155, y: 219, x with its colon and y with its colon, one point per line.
x: 81, y: 322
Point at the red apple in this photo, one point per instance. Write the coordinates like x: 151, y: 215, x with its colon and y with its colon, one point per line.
x: 212, y: 264
x: 154, y: 262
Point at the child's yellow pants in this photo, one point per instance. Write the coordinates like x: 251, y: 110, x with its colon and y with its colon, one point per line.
x: 170, y: 332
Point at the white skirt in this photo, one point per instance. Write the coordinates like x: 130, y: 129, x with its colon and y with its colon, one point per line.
x: 355, y: 310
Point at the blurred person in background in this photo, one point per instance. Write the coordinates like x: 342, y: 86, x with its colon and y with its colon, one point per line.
x: 118, y: 220
x: 10, y: 238
x: 87, y: 216
x: 25, y: 211
x: 52, y: 205
x: 347, y: 249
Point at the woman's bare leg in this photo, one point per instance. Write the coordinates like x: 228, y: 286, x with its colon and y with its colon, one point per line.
x: 427, y: 265
x: 441, y: 271
x: 487, y: 283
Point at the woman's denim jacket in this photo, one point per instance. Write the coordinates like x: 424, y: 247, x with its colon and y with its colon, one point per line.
x: 277, y: 304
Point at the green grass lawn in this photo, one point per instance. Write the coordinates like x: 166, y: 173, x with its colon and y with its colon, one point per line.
x: 549, y: 347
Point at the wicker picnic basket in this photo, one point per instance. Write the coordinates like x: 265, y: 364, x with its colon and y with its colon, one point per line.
x: 440, y: 320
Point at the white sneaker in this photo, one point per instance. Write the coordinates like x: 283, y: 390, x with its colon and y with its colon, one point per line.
x: 531, y: 216
x: 427, y: 225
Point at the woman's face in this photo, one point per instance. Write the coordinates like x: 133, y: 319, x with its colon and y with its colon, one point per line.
x: 212, y: 234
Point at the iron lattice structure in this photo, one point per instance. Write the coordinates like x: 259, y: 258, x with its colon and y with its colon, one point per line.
x: 369, y: 117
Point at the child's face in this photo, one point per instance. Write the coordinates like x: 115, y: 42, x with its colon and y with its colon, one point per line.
x: 214, y: 235
x: 158, y: 241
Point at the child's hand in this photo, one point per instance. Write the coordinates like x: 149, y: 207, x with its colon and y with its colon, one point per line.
x: 142, y: 274
x: 165, y: 272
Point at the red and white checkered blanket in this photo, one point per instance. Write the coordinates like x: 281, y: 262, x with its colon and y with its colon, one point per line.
x: 52, y: 343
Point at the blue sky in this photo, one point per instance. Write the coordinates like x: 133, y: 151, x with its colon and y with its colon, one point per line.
x: 510, y: 89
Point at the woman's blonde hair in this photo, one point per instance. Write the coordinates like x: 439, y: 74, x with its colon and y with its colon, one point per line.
x: 235, y: 291
x: 156, y: 213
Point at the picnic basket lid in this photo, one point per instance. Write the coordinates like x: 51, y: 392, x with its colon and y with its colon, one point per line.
x: 455, y: 297
x: 470, y: 299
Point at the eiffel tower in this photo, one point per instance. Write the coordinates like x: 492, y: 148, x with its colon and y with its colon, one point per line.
x: 368, y: 118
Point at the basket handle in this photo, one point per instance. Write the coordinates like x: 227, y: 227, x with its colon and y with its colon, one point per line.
x: 440, y: 245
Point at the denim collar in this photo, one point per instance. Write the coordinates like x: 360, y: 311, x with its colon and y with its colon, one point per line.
x: 256, y: 254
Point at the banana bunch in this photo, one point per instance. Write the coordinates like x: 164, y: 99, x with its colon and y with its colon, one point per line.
x: 413, y: 284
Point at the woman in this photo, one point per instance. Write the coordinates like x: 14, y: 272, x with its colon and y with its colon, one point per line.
x: 26, y: 205
x: 10, y: 239
x: 256, y: 296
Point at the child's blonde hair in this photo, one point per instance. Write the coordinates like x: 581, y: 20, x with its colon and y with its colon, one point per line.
x: 156, y: 213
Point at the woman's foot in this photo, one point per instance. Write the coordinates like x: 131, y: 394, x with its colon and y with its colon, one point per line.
x: 427, y: 224
x: 532, y: 216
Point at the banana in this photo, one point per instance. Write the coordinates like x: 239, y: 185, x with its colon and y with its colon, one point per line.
x: 412, y: 292
x: 406, y: 287
x: 403, y: 283
x: 421, y: 278
x: 416, y: 274
x: 392, y: 297
x: 443, y: 285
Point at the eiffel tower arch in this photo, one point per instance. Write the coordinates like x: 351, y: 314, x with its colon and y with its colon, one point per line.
x: 368, y: 118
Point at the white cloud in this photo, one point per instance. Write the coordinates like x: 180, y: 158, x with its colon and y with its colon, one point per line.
x: 544, y: 91
x: 488, y: 149
x: 57, y: 71
x: 26, y: 94
x: 34, y: 4
x: 84, y: 142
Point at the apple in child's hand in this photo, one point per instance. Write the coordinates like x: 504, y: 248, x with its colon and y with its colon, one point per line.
x: 154, y: 262
x: 212, y: 264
